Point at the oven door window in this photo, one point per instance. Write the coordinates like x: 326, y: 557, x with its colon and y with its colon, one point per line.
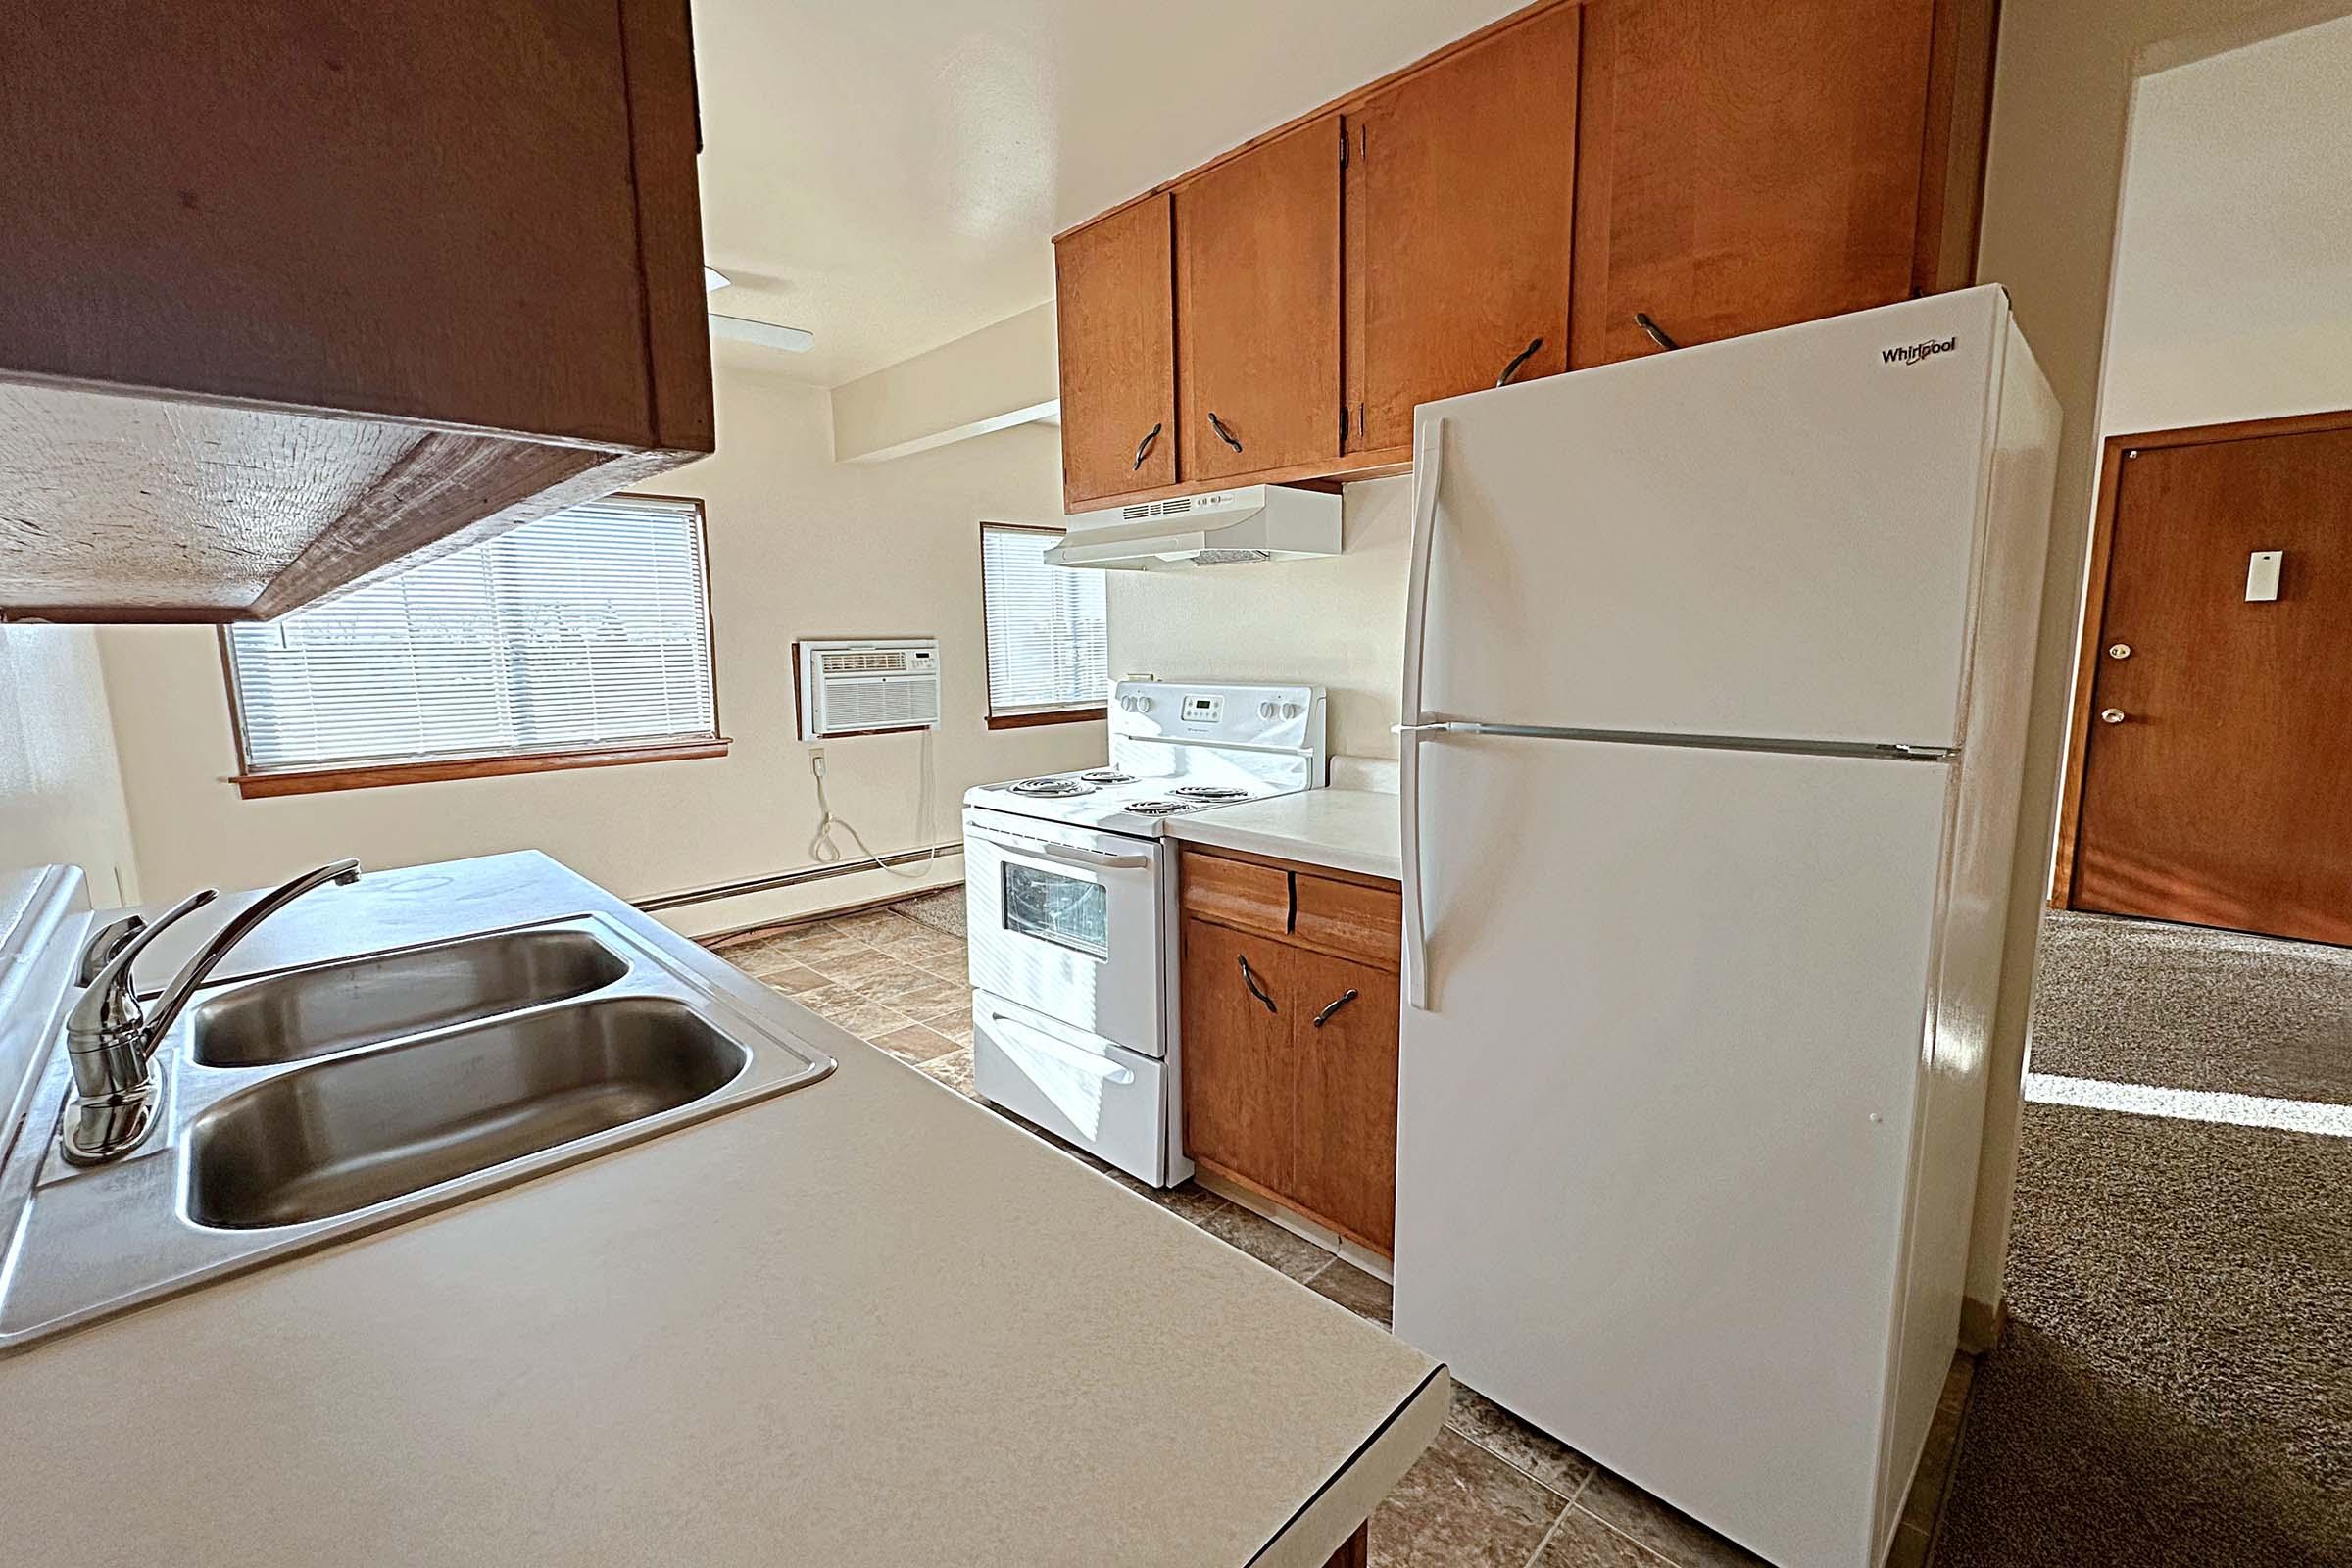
x: 1062, y: 910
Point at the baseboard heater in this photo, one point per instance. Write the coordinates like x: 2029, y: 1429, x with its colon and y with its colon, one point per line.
x: 785, y: 879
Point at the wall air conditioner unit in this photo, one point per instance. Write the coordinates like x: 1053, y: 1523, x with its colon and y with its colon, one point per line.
x: 1225, y: 527
x: 865, y: 685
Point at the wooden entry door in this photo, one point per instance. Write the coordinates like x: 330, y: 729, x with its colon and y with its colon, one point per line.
x: 2215, y: 780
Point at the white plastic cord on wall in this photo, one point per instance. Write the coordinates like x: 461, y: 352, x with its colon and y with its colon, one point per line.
x: 825, y: 851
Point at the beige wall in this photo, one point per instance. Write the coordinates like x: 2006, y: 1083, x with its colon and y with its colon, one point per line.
x: 1337, y: 621
x: 2061, y: 90
x: 799, y: 545
x: 61, y: 799
x: 1002, y: 376
x: 2233, y: 263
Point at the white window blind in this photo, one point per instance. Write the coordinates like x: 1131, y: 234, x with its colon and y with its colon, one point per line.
x: 1048, y: 644
x: 588, y: 628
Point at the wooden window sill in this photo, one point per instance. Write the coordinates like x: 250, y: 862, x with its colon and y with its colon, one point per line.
x: 1051, y: 715
x: 311, y: 781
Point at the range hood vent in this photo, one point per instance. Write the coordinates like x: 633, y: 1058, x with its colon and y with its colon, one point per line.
x: 1223, y: 528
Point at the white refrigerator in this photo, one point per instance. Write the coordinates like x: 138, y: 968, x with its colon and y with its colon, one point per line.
x: 1717, y: 668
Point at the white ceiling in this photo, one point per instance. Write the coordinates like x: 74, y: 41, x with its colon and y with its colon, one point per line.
x: 888, y: 172
x: 2234, y: 256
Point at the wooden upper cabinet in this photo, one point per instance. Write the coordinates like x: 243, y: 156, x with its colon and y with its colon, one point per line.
x: 1459, y: 188
x: 1114, y: 283
x: 1745, y: 167
x: 1258, y: 308
x: 1513, y: 205
x: 290, y: 300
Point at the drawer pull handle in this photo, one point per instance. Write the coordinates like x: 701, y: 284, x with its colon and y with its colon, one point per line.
x: 1657, y: 333
x: 1250, y: 979
x: 1517, y: 360
x: 1346, y: 997
x: 1143, y: 448
x: 1223, y: 434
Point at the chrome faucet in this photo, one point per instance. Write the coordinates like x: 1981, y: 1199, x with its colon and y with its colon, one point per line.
x: 111, y: 1042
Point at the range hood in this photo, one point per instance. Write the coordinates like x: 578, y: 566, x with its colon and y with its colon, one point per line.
x: 1224, y: 528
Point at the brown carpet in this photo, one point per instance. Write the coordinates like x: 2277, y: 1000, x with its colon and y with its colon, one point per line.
x: 2174, y: 1386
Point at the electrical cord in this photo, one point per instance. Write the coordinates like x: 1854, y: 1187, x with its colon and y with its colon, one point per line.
x: 825, y: 851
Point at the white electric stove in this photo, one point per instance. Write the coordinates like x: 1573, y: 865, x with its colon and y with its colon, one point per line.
x: 1071, y: 897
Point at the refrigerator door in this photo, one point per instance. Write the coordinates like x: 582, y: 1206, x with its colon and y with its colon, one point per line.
x: 1654, y: 1130
x: 1771, y: 536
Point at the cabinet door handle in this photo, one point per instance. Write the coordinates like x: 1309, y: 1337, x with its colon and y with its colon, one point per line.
x: 1143, y: 448
x: 1517, y: 360
x: 1223, y: 434
x: 1250, y: 979
x: 1657, y: 333
x: 1346, y: 997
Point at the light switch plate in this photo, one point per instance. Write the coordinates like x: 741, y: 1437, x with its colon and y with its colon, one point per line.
x: 2262, y: 575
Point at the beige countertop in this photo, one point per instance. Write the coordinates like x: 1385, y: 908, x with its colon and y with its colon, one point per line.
x: 1350, y: 829
x: 867, y: 1322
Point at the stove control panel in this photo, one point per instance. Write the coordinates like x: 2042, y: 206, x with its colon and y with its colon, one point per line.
x: 1197, y: 714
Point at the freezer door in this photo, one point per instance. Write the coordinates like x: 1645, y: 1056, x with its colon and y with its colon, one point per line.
x: 1654, y: 1125
x: 1768, y: 536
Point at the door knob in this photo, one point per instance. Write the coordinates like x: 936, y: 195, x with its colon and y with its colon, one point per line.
x: 2111, y: 716
x: 2119, y: 650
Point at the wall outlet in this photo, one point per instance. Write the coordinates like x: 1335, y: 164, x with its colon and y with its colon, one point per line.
x: 816, y: 761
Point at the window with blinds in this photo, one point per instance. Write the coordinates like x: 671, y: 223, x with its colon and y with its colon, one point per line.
x: 1048, y: 644
x: 586, y: 630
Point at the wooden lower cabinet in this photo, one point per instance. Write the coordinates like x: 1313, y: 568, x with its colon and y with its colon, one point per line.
x: 1238, y: 1072
x: 1290, y: 1045
x: 1343, y: 1128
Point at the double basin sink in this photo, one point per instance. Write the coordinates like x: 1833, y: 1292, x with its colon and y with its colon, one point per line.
x: 320, y: 1102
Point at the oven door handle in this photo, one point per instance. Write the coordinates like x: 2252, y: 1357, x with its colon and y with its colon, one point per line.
x: 1078, y: 1057
x: 1092, y: 860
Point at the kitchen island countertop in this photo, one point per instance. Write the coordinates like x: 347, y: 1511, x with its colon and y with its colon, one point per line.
x: 867, y: 1322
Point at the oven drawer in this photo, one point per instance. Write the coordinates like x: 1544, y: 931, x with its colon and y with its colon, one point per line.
x: 1081, y: 1087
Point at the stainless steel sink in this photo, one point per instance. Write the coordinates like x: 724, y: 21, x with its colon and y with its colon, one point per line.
x: 319, y: 1013
x: 343, y: 1134
x: 317, y: 1103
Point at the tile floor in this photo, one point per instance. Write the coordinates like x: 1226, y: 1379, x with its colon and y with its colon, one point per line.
x: 1490, y: 1492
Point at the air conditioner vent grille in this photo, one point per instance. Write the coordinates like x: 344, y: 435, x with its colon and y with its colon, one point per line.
x: 864, y: 662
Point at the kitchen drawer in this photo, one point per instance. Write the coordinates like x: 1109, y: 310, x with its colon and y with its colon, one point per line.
x: 1237, y: 892
x: 1354, y: 918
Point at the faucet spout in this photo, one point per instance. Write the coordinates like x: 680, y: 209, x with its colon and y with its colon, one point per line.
x: 207, y: 958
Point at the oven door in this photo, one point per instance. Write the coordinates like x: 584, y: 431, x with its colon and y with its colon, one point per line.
x: 1067, y: 921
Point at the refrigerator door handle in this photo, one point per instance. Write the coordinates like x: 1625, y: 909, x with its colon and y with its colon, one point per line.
x: 1427, y: 461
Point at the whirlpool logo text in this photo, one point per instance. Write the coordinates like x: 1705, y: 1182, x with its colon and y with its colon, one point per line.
x: 1913, y: 352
